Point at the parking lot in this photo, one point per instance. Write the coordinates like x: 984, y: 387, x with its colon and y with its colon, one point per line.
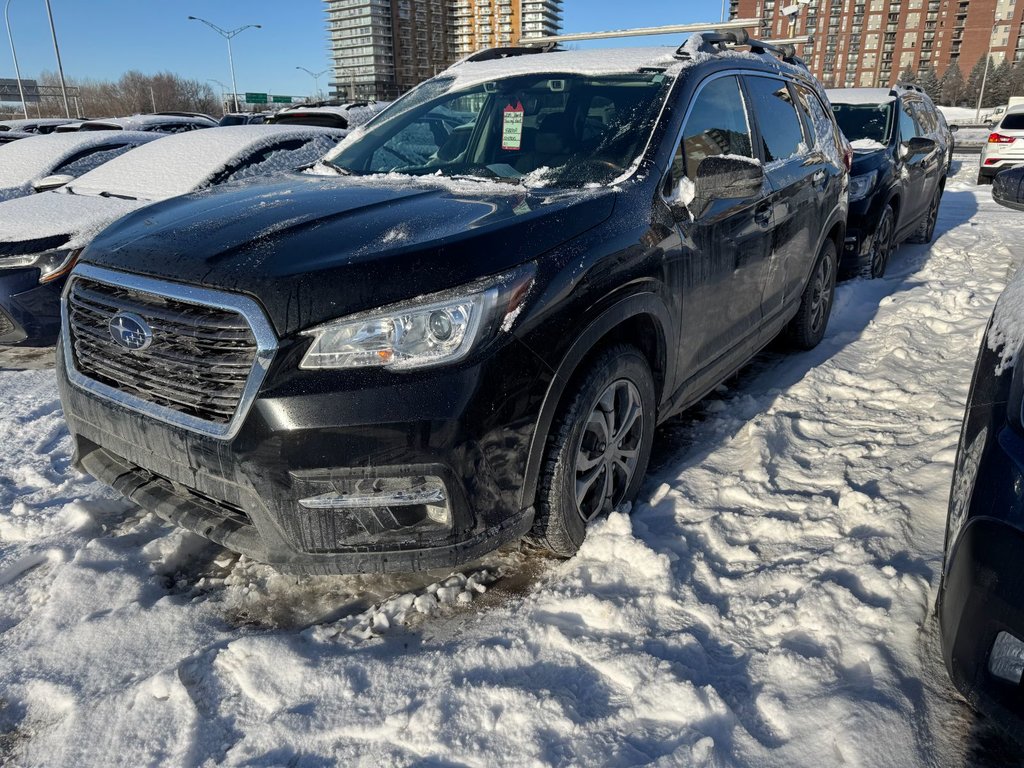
x: 767, y: 602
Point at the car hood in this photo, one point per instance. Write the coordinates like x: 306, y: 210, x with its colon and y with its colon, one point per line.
x: 867, y: 160
x: 314, y: 248
x: 51, y: 215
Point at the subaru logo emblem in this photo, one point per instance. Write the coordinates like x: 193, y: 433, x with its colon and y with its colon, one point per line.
x: 130, y: 331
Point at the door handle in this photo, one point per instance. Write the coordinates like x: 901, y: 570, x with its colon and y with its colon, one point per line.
x: 763, y: 214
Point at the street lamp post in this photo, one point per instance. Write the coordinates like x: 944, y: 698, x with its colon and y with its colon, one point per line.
x: 223, y: 97
x: 984, y: 77
x: 316, y: 78
x: 227, y: 35
x: 14, y: 54
x: 60, y: 67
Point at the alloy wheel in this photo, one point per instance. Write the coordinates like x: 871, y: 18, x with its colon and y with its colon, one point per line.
x: 883, y: 244
x: 822, y: 294
x: 609, y: 449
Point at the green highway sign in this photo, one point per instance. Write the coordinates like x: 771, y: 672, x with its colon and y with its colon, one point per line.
x: 256, y: 98
x: 281, y: 99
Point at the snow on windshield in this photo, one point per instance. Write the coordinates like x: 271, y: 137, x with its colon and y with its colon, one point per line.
x: 28, y: 160
x: 181, y: 163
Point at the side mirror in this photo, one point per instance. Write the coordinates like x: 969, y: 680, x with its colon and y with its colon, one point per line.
x: 954, y: 128
x: 52, y: 182
x: 726, y: 177
x: 919, y: 145
x: 1008, y: 188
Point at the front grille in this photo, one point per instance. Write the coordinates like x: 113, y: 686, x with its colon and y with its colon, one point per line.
x: 198, y: 363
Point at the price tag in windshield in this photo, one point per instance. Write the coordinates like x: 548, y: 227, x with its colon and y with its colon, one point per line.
x: 512, y: 127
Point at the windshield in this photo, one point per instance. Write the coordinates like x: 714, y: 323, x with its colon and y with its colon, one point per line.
x: 565, y: 130
x: 865, y: 121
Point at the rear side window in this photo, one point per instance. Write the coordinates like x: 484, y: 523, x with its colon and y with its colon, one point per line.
x: 281, y: 157
x: 717, y: 125
x: 1013, y: 122
x: 86, y: 161
x: 817, y: 120
x: 776, y: 117
x: 925, y: 118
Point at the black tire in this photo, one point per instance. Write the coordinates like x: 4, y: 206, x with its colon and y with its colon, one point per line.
x: 561, y: 522
x: 983, y: 179
x: 874, y: 263
x: 925, y: 231
x: 807, y: 329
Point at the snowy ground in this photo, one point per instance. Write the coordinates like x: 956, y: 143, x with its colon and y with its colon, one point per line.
x: 766, y: 604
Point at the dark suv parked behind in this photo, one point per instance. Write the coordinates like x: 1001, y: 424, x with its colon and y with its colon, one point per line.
x: 464, y: 325
x: 901, y: 155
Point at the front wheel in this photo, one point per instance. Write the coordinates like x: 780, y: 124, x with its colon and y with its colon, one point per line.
x: 807, y: 329
x: 882, y: 247
x: 598, y: 449
x: 926, y: 229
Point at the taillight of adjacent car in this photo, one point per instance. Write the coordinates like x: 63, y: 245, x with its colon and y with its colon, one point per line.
x: 998, y: 138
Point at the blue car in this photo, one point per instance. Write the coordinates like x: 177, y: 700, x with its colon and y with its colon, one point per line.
x: 981, y: 595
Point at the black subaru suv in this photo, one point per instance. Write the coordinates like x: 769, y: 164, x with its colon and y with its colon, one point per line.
x: 463, y: 325
x: 902, y: 149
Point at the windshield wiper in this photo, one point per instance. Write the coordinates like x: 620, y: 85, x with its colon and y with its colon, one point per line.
x: 115, y: 195
x: 336, y: 168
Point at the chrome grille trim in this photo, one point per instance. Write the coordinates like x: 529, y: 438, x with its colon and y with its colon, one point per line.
x: 248, y: 374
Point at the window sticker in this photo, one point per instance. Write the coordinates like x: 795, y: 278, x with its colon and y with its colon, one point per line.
x: 512, y: 127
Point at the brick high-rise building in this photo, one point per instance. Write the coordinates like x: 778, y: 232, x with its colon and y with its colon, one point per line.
x: 382, y: 48
x: 868, y: 43
x: 481, y: 24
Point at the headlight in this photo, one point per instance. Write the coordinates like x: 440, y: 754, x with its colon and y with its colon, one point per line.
x: 431, y: 330
x: 861, y: 185
x: 52, y: 264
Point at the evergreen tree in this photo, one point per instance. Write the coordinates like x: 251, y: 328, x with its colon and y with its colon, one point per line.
x: 908, y: 75
x: 1016, y: 79
x: 929, y: 80
x: 953, y: 86
x: 997, y: 89
x: 974, y: 81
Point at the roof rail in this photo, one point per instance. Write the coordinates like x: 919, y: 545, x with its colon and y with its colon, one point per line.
x: 490, y: 54
x: 720, y: 41
x: 909, y: 87
x: 671, y: 29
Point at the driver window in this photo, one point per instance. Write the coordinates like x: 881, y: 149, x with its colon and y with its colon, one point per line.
x: 717, y: 125
x: 908, y: 125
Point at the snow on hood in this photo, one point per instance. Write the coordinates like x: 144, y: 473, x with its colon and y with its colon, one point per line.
x: 183, y: 162
x: 57, y: 213
x: 28, y: 160
x: 1006, y: 335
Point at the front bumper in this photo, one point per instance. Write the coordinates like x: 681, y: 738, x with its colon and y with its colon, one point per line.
x: 470, y: 426
x: 29, y: 312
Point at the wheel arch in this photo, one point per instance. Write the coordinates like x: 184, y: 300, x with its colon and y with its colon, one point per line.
x: 642, y: 320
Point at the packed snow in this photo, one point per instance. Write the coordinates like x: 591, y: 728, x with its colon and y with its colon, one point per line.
x: 766, y: 603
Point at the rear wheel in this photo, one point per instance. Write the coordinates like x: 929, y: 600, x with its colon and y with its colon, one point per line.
x: 807, y: 329
x: 877, y: 259
x: 598, y: 449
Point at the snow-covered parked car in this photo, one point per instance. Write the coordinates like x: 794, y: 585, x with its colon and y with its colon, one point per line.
x: 7, y: 137
x: 345, y: 116
x: 464, y: 325
x: 42, y: 235
x: 161, y: 123
x: 981, y: 593
x: 901, y: 150
x: 41, y: 125
x: 40, y: 163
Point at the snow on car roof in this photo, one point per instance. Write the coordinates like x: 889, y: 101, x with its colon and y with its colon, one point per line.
x: 135, y: 122
x: 182, y: 162
x: 603, y: 61
x: 23, y: 124
x: 860, y: 95
x: 32, y: 158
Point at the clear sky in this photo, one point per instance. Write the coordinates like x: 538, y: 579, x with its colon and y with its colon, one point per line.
x: 101, y: 39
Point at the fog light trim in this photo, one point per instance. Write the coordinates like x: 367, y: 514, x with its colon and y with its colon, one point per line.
x: 1006, y: 659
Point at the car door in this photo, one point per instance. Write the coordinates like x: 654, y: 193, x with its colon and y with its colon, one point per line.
x: 934, y: 161
x: 726, y: 244
x: 795, y: 174
x: 913, y: 170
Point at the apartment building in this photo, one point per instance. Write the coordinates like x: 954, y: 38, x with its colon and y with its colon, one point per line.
x: 868, y: 43
x: 382, y: 48
x: 479, y: 24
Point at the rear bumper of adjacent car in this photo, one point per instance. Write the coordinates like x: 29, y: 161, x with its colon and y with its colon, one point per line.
x: 981, y: 598
x: 993, y: 163
x: 468, y: 430
x: 29, y: 311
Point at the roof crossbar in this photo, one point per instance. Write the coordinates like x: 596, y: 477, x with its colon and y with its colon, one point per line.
x: 671, y: 29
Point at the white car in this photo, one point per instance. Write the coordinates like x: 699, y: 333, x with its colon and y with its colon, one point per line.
x: 1005, y: 145
x: 161, y: 123
x: 40, y: 163
x: 42, y: 235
